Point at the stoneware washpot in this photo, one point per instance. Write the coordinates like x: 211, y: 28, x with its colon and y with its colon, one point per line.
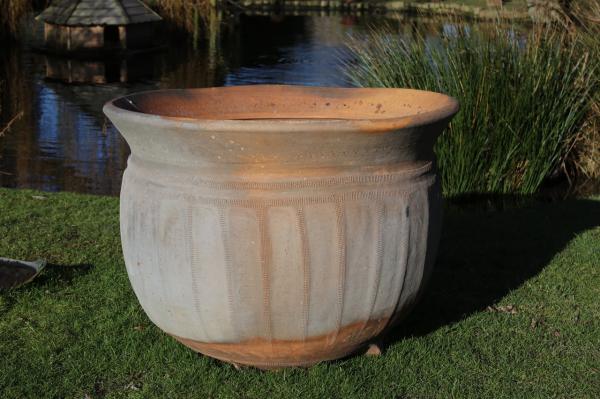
x: 279, y: 226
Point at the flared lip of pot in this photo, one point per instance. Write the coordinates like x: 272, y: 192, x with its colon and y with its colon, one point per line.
x: 439, y: 113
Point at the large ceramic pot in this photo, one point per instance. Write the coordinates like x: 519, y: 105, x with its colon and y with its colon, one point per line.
x: 279, y: 225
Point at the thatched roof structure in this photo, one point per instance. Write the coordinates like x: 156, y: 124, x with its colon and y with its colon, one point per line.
x: 97, y: 12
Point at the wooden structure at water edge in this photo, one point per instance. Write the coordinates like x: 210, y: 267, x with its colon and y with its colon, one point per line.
x: 111, y: 26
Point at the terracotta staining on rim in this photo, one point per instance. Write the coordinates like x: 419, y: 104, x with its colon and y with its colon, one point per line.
x: 283, y: 236
x: 285, y: 102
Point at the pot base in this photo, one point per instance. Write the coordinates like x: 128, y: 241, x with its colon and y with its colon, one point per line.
x: 275, y: 354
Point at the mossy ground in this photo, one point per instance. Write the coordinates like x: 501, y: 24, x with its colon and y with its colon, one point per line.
x: 512, y: 311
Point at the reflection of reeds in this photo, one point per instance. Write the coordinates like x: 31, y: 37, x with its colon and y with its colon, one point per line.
x: 11, y: 12
x: 15, y: 95
x: 193, y: 69
x: 523, y: 99
x: 6, y: 128
x: 188, y: 15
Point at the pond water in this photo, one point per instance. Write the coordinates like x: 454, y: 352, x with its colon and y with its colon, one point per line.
x: 64, y: 142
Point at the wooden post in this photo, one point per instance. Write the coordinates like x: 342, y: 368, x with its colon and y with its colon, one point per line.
x: 123, y: 36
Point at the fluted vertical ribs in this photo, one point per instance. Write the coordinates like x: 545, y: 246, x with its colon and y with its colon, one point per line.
x: 305, y: 270
x: 380, y: 214
x: 341, y: 249
x: 265, y: 262
x: 154, y: 217
x: 195, y: 264
x: 404, y: 235
x: 228, y: 269
x: 132, y: 232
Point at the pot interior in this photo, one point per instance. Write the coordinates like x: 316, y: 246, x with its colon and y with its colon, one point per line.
x: 286, y: 102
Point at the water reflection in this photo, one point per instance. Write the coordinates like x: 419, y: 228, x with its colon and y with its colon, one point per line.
x: 112, y: 70
x: 64, y: 142
x: 295, y: 50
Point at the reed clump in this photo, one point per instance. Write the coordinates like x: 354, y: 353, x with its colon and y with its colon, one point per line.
x: 524, y: 99
x: 585, y: 17
x: 586, y: 157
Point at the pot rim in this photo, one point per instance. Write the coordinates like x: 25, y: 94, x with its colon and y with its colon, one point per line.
x: 368, y: 125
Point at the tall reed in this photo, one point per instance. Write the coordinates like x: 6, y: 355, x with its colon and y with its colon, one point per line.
x: 523, y: 99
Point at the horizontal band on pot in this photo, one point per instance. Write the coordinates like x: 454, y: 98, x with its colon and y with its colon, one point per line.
x: 144, y: 187
x: 143, y: 169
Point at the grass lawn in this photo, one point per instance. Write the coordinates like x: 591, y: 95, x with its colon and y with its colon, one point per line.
x: 513, y: 310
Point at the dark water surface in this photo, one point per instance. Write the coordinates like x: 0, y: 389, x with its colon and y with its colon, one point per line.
x: 64, y: 142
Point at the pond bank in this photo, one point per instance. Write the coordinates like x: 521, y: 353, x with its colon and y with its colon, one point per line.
x: 483, y: 12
